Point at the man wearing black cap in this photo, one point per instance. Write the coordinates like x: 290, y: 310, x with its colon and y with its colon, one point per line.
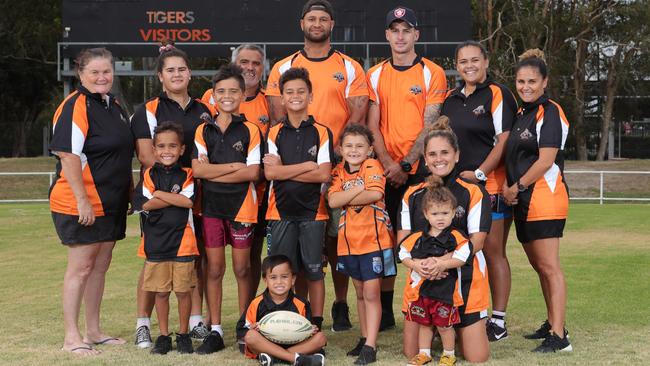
x: 406, y: 95
x: 340, y: 96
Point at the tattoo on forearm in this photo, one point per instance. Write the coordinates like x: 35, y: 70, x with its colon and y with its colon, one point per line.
x: 431, y: 114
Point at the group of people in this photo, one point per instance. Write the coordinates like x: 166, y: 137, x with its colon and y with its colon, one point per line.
x: 368, y: 170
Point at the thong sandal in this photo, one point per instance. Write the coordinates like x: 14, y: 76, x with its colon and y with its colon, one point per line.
x: 107, y: 342
x: 74, y: 350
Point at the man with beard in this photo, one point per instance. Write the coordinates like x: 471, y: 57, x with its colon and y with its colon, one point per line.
x: 406, y: 95
x: 340, y: 96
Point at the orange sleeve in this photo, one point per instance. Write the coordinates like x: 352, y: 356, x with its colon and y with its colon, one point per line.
x: 273, y: 83
x: 359, y: 86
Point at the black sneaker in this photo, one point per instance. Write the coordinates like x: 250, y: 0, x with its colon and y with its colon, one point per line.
x: 553, y: 343
x: 310, y: 360
x: 495, y: 332
x: 387, y: 321
x: 184, y: 343
x: 340, y: 317
x: 266, y: 359
x: 200, y: 331
x: 367, y: 355
x: 143, y: 337
x: 211, y: 344
x: 163, y: 345
x: 543, y: 331
x: 356, y: 351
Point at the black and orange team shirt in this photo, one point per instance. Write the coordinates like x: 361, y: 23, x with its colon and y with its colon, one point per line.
x: 290, y: 199
x: 473, y: 214
x: 334, y: 78
x: 163, y: 109
x: 402, y: 93
x: 98, y: 131
x: 241, y: 142
x: 255, y: 109
x: 362, y: 229
x: 263, y: 305
x: 421, y: 245
x: 167, y: 233
x: 541, y: 124
x: 476, y: 120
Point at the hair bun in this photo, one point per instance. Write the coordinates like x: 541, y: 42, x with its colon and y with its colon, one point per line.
x: 441, y: 124
x: 166, y: 44
x: 533, y: 53
x: 434, y: 181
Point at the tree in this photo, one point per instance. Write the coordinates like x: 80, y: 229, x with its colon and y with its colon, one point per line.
x: 29, y: 31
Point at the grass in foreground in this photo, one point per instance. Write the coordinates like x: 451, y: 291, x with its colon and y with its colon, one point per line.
x: 604, y: 255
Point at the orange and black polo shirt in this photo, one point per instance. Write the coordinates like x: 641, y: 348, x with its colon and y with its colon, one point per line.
x: 98, y: 131
x: 473, y: 214
x: 476, y: 120
x: 263, y: 305
x: 538, y: 125
x: 362, y: 229
x: 402, y: 93
x: 421, y: 245
x: 167, y: 233
x: 163, y: 109
x: 334, y: 78
x: 254, y: 108
x: 289, y: 199
x: 239, y: 143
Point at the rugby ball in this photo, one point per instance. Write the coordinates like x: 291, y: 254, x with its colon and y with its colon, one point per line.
x: 285, y: 327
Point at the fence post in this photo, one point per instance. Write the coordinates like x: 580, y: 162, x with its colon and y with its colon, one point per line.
x: 50, y: 175
x: 601, y: 187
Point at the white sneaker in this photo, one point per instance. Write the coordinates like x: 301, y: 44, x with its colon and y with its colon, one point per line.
x: 143, y: 337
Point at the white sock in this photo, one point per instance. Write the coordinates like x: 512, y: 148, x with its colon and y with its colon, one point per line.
x: 448, y: 353
x: 195, y: 320
x: 426, y: 351
x: 143, y: 321
x: 217, y: 328
x: 498, y: 318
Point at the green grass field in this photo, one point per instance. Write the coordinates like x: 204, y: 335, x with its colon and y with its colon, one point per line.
x: 604, y: 254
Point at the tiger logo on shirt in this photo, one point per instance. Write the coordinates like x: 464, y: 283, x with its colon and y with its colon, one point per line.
x: 263, y: 119
x: 415, y: 89
x: 338, y: 76
x: 312, y: 151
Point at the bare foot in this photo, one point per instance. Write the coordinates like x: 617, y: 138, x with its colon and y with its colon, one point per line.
x: 83, y: 351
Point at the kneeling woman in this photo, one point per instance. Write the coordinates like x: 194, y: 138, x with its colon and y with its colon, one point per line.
x: 473, y: 219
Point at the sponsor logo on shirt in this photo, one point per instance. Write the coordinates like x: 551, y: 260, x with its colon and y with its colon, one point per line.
x: 338, y: 76
x: 415, y: 89
x: 479, y: 110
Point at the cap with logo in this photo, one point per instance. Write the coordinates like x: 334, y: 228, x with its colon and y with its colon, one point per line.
x: 401, y: 13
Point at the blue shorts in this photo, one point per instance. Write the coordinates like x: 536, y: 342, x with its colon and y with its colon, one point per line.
x: 500, y: 210
x: 365, y: 267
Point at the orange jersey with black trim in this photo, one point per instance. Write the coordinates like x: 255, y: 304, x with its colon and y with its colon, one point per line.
x: 402, y: 93
x: 362, y: 229
x: 239, y: 143
x: 541, y: 124
x: 263, y: 305
x: 477, y: 119
x: 421, y: 245
x: 167, y: 233
x: 334, y: 79
x: 290, y: 199
x: 98, y: 132
x: 255, y: 109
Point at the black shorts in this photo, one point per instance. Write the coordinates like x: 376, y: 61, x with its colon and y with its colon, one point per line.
x: 528, y: 231
x: 467, y: 319
x: 302, y: 242
x: 105, y: 229
x: 260, y: 227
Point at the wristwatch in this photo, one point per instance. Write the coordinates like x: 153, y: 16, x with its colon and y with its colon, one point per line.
x: 521, y: 187
x: 478, y: 173
x: 406, y: 166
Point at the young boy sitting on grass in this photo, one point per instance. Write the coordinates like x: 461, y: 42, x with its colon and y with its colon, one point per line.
x: 165, y: 196
x: 279, y: 277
